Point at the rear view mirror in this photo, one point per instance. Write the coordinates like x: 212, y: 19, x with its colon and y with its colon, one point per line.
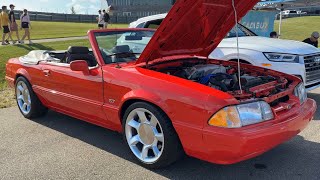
x: 133, y: 38
x: 80, y: 65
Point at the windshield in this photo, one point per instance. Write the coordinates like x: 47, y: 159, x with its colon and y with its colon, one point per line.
x: 122, y: 46
x: 242, y: 32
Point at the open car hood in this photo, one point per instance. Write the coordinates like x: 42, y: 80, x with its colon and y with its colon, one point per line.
x: 194, y: 27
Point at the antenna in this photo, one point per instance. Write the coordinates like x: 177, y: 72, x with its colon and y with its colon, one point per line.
x: 280, y: 20
x: 238, y: 52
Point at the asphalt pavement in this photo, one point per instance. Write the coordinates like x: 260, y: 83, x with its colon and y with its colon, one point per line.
x: 60, y: 147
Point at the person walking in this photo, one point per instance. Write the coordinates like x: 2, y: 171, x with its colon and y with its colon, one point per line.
x: 106, y: 19
x: 100, y: 20
x: 25, y: 24
x: 313, y: 40
x: 4, y: 24
x: 13, y: 23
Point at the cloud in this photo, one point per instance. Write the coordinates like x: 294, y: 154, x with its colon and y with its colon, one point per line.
x: 81, y: 6
x: 82, y: 3
x: 78, y: 8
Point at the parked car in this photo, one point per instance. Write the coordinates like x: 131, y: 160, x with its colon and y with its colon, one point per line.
x: 294, y: 13
x: 170, y: 99
x: 291, y: 57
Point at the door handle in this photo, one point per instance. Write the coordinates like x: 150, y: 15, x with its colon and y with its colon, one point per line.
x: 46, y: 72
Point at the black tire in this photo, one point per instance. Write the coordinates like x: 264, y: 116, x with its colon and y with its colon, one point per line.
x: 172, y: 151
x: 37, y: 108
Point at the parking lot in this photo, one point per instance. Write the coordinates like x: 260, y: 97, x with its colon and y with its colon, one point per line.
x: 60, y: 147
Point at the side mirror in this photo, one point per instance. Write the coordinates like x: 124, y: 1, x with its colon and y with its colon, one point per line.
x: 80, y: 65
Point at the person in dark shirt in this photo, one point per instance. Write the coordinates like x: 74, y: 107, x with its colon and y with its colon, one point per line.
x: 106, y: 18
x: 313, y: 40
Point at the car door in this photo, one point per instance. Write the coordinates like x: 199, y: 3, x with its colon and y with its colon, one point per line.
x: 73, y: 92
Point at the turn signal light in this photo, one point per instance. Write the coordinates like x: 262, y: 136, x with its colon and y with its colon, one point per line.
x: 227, y: 117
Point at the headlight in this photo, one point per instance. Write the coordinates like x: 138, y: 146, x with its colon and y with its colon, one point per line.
x: 301, y: 92
x: 242, y: 115
x: 278, y: 57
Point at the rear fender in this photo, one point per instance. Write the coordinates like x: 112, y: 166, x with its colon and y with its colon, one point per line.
x: 24, y: 73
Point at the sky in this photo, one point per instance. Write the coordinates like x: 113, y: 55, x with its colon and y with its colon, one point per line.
x: 61, y: 6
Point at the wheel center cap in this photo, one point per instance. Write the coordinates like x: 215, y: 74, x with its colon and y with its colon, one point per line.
x: 146, y: 134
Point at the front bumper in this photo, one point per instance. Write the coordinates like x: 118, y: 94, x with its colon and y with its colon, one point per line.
x: 228, y: 146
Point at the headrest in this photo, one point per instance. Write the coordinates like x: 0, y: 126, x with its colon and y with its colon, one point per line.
x: 78, y: 50
x: 121, y: 49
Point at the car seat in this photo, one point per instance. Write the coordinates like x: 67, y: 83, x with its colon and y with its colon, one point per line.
x: 123, y: 54
x: 80, y: 53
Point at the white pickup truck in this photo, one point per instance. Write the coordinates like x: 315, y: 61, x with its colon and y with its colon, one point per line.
x: 291, y: 57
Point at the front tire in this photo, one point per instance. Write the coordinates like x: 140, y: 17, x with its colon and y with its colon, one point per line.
x: 27, y: 101
x: 150, y: 136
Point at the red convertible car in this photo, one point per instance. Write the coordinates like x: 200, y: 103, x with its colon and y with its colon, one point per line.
x: 169, y: 98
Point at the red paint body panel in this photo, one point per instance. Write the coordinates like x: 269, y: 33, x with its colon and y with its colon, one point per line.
x: 194, y: 27
x: 98, y: 97
x: 241, y: 144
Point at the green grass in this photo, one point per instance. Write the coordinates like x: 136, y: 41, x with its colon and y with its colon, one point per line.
x: 45, y: 30
x: 298, y: 28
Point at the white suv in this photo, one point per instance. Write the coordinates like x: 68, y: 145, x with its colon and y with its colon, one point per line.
x: 291, y: 57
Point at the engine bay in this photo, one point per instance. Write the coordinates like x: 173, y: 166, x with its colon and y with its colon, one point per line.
x: 224, y: 76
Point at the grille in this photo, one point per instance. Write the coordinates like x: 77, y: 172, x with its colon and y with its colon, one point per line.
x: 312, y: 64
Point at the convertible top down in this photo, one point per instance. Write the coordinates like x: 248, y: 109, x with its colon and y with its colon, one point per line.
x: 160, y: 89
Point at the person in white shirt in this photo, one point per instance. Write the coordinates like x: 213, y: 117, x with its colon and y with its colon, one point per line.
x: 100, y: 19
x: 25, y: 24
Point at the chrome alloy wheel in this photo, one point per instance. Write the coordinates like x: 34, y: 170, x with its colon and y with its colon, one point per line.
x: 23, y: 97
x: 144, y: 135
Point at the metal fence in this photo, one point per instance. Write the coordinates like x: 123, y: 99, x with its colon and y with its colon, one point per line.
x: 81, y: 18
x: 295, y: 15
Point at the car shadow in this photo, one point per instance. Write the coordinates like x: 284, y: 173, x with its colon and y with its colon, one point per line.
x: 34, y: 46
x: 316, y: 97
x: 298, y: 158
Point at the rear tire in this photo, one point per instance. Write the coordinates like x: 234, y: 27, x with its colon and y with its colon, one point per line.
x: 28, y: 103
x: 151, y: 136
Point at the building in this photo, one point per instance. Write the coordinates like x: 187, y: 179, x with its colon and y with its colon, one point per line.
x: 309, y: 6
x: 139, y: 8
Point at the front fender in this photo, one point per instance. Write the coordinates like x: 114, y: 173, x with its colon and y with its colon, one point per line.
x: 140, y: 94
x: 230, y: 53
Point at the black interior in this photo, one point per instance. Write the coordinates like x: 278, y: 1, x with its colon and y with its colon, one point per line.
x: 121, y: 49
x: 80, y: 53
x: 121, y: 53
